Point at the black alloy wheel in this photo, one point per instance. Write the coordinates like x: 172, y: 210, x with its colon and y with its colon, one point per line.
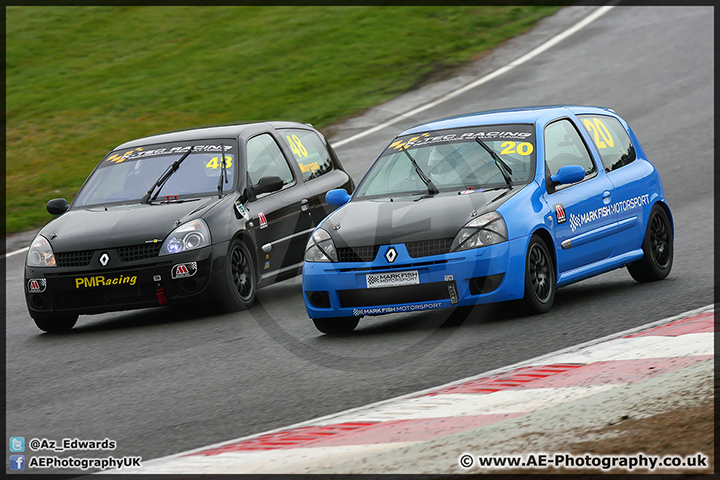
x: 539, y: 277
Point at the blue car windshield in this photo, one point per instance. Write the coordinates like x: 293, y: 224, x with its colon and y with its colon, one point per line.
x: 124, y: 176
x: 453, y: 160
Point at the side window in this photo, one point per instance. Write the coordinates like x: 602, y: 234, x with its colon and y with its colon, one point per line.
x: 611, y: 140
x: 265, y: 159
x: 308, y: 151
x: 564, y: 146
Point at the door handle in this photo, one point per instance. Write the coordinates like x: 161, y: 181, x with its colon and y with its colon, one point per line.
x: 304, y: 204
x: 606, y: 196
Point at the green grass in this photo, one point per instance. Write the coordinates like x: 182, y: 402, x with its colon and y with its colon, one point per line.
x: 81, y: 80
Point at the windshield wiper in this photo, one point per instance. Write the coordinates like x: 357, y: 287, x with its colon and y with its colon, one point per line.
x: 164, y: 178
x: 432, y: 189
x: 223, y: 172
x: 502, y: 166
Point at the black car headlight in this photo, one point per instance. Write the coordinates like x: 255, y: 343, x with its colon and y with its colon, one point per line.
x: 188, y: 236
x: 40, y: 253
x: 320, y: 247
x: 487, y: 229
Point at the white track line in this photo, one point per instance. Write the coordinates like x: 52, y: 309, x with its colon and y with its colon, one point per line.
x: 22, y: 250
x: 528, y: 56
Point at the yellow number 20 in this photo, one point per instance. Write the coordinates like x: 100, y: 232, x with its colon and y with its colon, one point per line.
x: 523, y: 148
x: 598, y: 129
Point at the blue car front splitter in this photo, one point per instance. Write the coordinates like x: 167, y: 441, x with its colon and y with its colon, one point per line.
x: 482, y: 275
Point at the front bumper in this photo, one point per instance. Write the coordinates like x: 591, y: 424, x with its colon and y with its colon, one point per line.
x: 129, y: 285
x: 482, y: 275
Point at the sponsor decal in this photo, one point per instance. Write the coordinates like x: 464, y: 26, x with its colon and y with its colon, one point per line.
x: 395, y: 279
x: 452, y: 290
x: 37, y: 285
x: 137, y: 153
x: 391, y: 255
x: 560, y: 213
x: 242, y: 210
x: 157, y: 278
x: 395, y: 309
x: 184, y: 270
x: 449, y: 278
x: 428, y: 139
x: 577, y: 221
x: 103, y: 281
x: 263, y: 220
x: 267, y: 265
x: 309, y: 168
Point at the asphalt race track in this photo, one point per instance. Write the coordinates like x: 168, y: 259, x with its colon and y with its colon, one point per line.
x: 161, y: 381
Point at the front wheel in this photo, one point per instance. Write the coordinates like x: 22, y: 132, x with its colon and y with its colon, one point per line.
x: 334, y: 326
x: 239, y: 280
x: 539, y: 277
x: 53, y: 323
x: 657, y: 248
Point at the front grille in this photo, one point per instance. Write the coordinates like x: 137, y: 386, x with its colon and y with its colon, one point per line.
x: 74, y: 259
x: 426, y: 248
x: 138, y: 252
x: 102, y: 297
x: 357, y: 254
x: 371, y: 297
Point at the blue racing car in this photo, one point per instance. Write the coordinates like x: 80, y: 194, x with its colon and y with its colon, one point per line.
x: 488, y: 207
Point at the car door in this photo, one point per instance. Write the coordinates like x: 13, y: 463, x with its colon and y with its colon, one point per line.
x: 281, y: 224
x: 317, y: 168
x: 632, y: 181
x: 584, y: 219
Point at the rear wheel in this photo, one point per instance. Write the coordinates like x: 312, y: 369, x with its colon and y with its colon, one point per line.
x: 338, y: 325
x: 539, y: 277
x: 657, y: 246
x: 54, y: 323
x: 239, y: 281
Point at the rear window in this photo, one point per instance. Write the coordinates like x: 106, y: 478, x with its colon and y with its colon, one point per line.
x: 308, y: 151
x: 611, y: 140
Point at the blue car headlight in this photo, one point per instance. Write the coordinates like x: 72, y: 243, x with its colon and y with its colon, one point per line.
x: 188, y: 236
x: 487, y: 229
x: 40, y: 253
x: 320, y: 247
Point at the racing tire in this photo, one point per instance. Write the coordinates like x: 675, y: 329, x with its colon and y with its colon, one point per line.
x: 239, y: 278
x: 539, y: 278
x: 336, y: 326
x: 657, y: 246
x: 53, y: 323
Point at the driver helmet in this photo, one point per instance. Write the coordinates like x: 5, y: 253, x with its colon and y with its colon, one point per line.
x: 441, y: 170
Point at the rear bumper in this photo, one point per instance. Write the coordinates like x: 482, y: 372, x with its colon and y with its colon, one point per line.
x: 482, y: 275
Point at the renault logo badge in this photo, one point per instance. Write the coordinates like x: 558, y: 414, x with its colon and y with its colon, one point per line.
x: 391, y: 255
x: 104, y: 259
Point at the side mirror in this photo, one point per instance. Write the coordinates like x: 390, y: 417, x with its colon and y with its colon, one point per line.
x: 568, y: 174
x: 337, y: 197
x: 57, y: 206
x: 268, y: 184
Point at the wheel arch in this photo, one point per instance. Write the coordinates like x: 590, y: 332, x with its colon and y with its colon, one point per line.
x: 662, y: 204
x: 546, y: 237
x: 249, y: 242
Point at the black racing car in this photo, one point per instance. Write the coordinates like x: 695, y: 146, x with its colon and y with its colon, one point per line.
x: 211, y: 212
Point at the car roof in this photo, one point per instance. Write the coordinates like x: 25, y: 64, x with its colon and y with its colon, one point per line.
x: 508, y: 115
x: 210, y: 131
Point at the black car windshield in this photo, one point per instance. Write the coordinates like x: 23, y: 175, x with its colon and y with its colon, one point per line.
x: 453, y: 159
x: 124, y: 176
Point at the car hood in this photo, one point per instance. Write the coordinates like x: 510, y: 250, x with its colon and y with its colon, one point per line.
x: 407, y: 219
x: 89, y: 228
